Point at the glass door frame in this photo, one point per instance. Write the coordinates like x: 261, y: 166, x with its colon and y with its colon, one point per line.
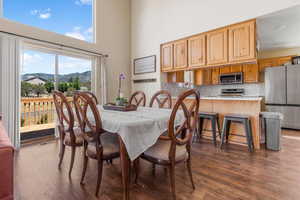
x: 56, y: 52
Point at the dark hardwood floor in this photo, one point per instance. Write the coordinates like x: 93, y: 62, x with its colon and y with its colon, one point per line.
x: 230, y: 174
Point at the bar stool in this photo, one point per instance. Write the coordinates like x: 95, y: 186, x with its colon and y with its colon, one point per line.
x: 214, y: 119
x: 233, y: 118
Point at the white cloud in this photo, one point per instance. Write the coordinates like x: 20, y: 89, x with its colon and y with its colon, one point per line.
x: 45, y: 15
x: 80, y: 34
x: 83, y: 2
x: 42, y: 14
x: 76, y: 35
x: 31, y: 58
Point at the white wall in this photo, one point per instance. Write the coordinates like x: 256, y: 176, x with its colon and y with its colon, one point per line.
x: 112, y: 38
x: 158, y: 21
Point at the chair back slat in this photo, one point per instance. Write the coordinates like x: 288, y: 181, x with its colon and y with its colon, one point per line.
x: 93, y: 96
x: 89, y: 118
x: 162, y: 98
x: 64, y: 111
x: 138, y: 98
x: 182, y: 134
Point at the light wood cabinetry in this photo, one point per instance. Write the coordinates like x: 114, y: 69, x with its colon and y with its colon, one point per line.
x: 215, y: 73
x: 197, y: 51
x: 251, y: 73
x: 273, y: 62
x: 236, y: 68
x: 217, y: 47
x: 175, y: 77
x: 225, y: 70
x: 166, y: 57
x: 202, y: 77
x: 180, y: 54
x: 242, y: 42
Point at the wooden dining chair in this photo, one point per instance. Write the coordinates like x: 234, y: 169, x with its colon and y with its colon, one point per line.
x: 69, y: 135
x: 175, y: 147
x: 93, y: 96
x: 138, y: 98
x: 162, y: 98
x: 98, y: 144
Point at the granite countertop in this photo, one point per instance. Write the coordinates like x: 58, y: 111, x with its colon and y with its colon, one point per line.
x: 231, y: 98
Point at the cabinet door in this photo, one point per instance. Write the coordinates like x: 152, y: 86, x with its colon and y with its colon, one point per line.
x: 217, y: 47
x: 207, y: 76
x: 236, y: 68
x: 180, y: 54
x: 215, y: 73
x: 166, y: 54
x: 225, y: 70
x: 251, y: 74
x: 202, y: 77
x: 175, y: 77
x: 242, y: 44
x: 197, y: 51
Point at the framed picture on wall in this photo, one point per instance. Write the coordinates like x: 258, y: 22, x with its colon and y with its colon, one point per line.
x: 144, y: 65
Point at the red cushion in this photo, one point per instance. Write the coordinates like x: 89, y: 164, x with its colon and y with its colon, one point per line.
x: 6, y: 166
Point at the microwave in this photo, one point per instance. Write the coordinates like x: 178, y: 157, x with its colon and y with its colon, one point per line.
x: 234, y: 78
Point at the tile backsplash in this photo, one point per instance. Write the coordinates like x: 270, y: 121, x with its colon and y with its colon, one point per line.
x: 255, y: 89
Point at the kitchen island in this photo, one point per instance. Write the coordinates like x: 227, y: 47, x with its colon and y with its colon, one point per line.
x: 244, y: 105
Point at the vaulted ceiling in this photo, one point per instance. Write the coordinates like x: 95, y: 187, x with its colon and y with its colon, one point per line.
x: 280, y: 29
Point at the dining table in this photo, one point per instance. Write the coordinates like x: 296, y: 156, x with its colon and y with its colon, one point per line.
x: 137, y: 131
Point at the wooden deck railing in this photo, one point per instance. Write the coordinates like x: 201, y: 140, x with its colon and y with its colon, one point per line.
x: 36, y: 111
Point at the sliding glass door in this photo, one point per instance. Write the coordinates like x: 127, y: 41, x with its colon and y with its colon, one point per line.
x: 42, y: 72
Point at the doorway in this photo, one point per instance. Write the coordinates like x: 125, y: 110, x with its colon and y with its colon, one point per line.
x: 43, y: 71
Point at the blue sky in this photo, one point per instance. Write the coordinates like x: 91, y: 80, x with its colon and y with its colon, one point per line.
x: 68, y: 17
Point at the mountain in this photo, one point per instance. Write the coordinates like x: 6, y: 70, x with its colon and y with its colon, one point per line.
x: 83, y: 77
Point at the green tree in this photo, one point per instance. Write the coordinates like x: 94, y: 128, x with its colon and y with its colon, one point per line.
x: 63, y: 86
x: 39, y: 89
x: 71, y: 80
x: 49, y: 86
x: 76, y: 83
x: 26, y: 89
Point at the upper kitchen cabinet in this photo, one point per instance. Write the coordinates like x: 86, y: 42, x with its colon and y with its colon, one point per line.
x: 251, y: 73
x: 166, y: 57
x: 180, y: 54
x: 197, y: 51
x: 217, y: 47
x: 242, y: 42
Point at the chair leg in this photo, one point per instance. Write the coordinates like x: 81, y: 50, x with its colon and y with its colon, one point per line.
x: 214, y: 130
x: 72, y: 159
x: 136, y: 164
x: 190, y: 170
x: 99, y: 180
x: 228, y: 130
x: 249, y: 135
x: 200, y: 127
x: 85, y: 163
x: 61, y: 153
x: 223, y: 132
x: 172, y: 180
x: 219, y: 129
x: 153, y: 169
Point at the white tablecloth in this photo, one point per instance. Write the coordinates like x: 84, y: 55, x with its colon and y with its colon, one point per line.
x: 139, y: 129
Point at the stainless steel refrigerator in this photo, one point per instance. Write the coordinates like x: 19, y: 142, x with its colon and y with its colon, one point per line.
x: 282, y: 90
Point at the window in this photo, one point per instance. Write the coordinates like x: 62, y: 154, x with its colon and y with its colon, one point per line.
x: 42, y: 72
x: 73, y: 18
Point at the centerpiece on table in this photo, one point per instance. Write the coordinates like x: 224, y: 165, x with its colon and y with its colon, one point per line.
x: 121, y: 103
x: 121, y: 100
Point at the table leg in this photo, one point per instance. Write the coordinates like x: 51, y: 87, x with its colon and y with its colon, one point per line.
x: 125, y: 167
